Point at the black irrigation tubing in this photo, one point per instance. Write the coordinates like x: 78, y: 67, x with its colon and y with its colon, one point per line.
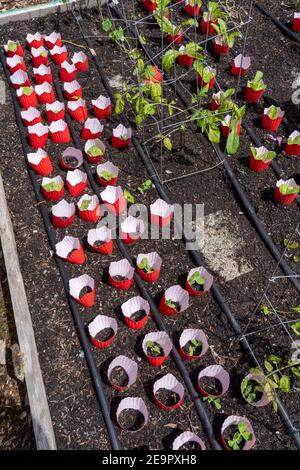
x: 195, y: 255
x: 279, y: 24
x: 94, y: 371
x: 179, y: 90
x: 199, y: 405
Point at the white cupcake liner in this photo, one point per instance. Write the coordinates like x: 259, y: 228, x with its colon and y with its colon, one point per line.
x: 92, y: 205
x: 78, y: 283
x: 75, y: 177
x: 132, y: 225
x: 70, y: 87
x: 133, y: 403
x: 56, y: 106
x: 134, y: 305
x: 234, y: 420
x: 265, y: 399
x: 36, y: 157
x: 153, y: 258
x: 57, y: 126
x: 101, y: 102
x: 161, y: 208
x: 9, y: 42
x: 219, y: 373
x: 74, y: 105
x: 66, y: 245
x: 37, y: 52
x: 102, y: 234
x: 69, y: 68
x: 189, y: 334
x: 42, y: 70
x: 33, y: 37
x: 38, y: 129
x: 63, y: 209
x: 280, y: 112
x: 185, y: 437
x: 93, y: 125
x: 101, y: 322
x: 169, y: 382
x: 161, y: 338
x: 242, y: 62
x: 111, y: 194
x: 203, y: 273
x: 122, y: 132
x: 291, y: 182
x: 177, y: 294
x: 30, y: 114
x: 56, y: 179
x: 53, y: 37
x: 89, y: 143
x: 107, y: 166
x: 72, y: 152
x: 130, y: 367
x: 121, y: 268
x: 19, y: 78
x: 14, y: 61
x: 294, y: 135
x: 43, y: 88
x: 79, y: 57
x: 58, y: 50
x: 297, y: 15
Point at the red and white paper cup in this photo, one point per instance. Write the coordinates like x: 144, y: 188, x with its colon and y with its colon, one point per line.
x: 59, y: 132
x: 129, y: 366
x: 155, y: 263
x: 40, y: 162
x: 27, y: 100
x: 43, y: 74
x: 258, y: 164
x: 13, y: 48
x: 259, y: 380
x: 102, y: 235
x: 177, y: 295
x: 38, y: 135
x: 168, y: 382
x: 15, y: 63
x: 31, y: 116
x: 19, y: 79
x: 136, y: 404
x: 59, y: 54
x: 78, y: 110
x: 67, y: 72
x: 92, y: 129
x: 92, y: 213
x: 161, y: 213
x: 55, y: 111
x: 52, y: 195
x: 221, y: 46
x: 102, y: 176
x: 77, y: 284
x: 191, y: 334
x: 225, y: 126
x: 207, y: 26
x: 35, y: 40
x: 89, y: 145
x: 72, y: 90
x: 102, y: 322
x: 121, y: 269
x: 102, y: 107
x: 39, y: 56
x: 296, y: 22
x: 81, y: 61
x: 131, y: 230
x: 285, y: 199
x: 293, y: 149
x: 192, y: 10
x: 121, y: 136
x: 217, y: 372
x: 45, y: 93
x: 211, y: 82
x: 253, y: 96
x: 135, y: 304
x: 184, y: 438
x: 71, y: 152
x: 234, y: 421
x: 206, y: 286
x: 70, y: 249
x: 270, y: 124
x: 76, y: 182
x: 63, y: 214
x: 53, y: 39
x: 240, y: 65
x: 163, y: 340
x: 114, y: 199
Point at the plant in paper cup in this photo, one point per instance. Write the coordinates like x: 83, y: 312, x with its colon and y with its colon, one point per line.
x: 59, y: 54
x: 193, y: 344
x: 286, y: 191
x: 39, y: 56
x: 102, y: 107
x: 114, y: 199
x: 157, y: 347
x: 292, y: 146
x: 222, y: 99
x: 261, y: 158
x: 240, y: 436
x: 92, y: 129
x: 55, y: 111
x: 272, y: 118
x: 149, y: 266
x: 255, y: 88
x: 34, y: 40
x: 152, y: 74
x: 13, y: 48
x: 224, y: 40
x: 211, y: 17
x: 89, y: 208
x: 233, y: 139
x: 94, y: 149
x: 121, y: 137
x: 185, y: 56
x: 174, y: 32
x: 168, y: 392
x: 42, y: 74
x: 45, y: 93
x: 27, y: 97
x: 206, y: 75
x: 237, y: 433
x: 19, y: 79
x: 240, y: 65
x: 175, y: 300
x: 192, y: 7
x: 40, y: 162
x: 107, y: 174
x: 199, y: 281
x: 81, y: 62
x: 131, y: 230
x: 52, y: 188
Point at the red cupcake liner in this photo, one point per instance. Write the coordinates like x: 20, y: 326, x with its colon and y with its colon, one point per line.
x: 150, y: 6
x: 128, y: 240
x: 161, y: 221
x: 19, y: 51
x: 285, y: 199
x: 32, y: 123
x: 87, y: 300
x: 61, y: 137
x: 28, y: 101
x: 46, y: 97
x: 102, y: 344
x: 36, y: 141
x: 165, y: 309
x: 162, y: 406
x: 66, y: 76
x: 214, y: 105
x: 60, y: 58
x: 36, y: 43
x: 206, y: 27
x: 77, y: 256
x: 292, y: 149
x: 44, y: 168
x: 156, y: 361
x: 43, y: 78
x: 51, y: 116
x: 225, y: 130
x: 192, y: 10
x: 136, y: 325
x: 90, y: 216
x: 174, y: 39
x: 111, y: 182
x: 80, y: 114
x: 62, y: 223
x: 21, y: 66
x: 221, y: 49
x: 120, y: 143
x: 52, y: 195
x: 121, y: 285
x: 57, y: 43
x: 148, y: 277
x: 86, y: 134
x: 296, y: 24
x: 185, y: 60
x: 258, y: 165
x: 105, y: 249
x: 94, y: 160
x: 271, y: 125
x: 102, y: 113
x: 118, y: 207
x: 253, y: 96
x: 82, y: 66
x: 235, y: 71
x: 77, y: 189
x: 202, y: 84
x: 70, y: 96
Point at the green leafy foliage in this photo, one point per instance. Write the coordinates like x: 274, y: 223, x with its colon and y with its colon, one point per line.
x: 214, y: 12
x: 257, y: 83
x: 27, y: 90
x: 290, y: 245
x: 85, y: 204
x: 52, y: 186
x: 12, y: 46
x: 296, y: 328
x: 153, y: 348
x: 107, y: 176
x: 95, y: 151
x: 117, y: 35
x: 267, y: 156
x: 213, y: 401
x: 128, y: 196
x: 265, y: 310
x: 167, y: 143
x: 193, y: 346
x: 106, y: 24
x: 224, y: 35
x: 286, y: 189
x: 241, y: 435
x: 145, y: 266
x: 170, y: 304
x: 145, y: 186
x: 196, y: 278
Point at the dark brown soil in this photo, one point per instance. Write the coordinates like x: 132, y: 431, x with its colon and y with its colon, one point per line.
x: 105, y: 334
x: 131, y: 420
x: 211, y: 385
x: 167, y: 397
x: 138, y: 315
x: 119, y: 376
x: 70, y: 161
x: 85, y: 290
x: 119, y: 278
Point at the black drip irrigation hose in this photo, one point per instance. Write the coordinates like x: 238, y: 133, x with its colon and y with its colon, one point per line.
x: 200, y: 407
x: 85, y: 344
x: 195, y: 255
x: 279, y: 24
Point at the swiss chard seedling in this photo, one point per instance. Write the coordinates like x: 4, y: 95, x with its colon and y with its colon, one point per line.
x: 145, y: 266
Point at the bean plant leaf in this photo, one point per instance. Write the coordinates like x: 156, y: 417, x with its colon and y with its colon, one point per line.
x: 128, y: 196
x: 106, y: 25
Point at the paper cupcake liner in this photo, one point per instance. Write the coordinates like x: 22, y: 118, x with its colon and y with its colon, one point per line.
x: 133, y: 403
x: 15, y: 63
x: 192, y: 10
x: 234, y: 420
x: 240, y: 65
x: 118, y: 207
x: 71, y: 250
x: 134, y: 305
x: 165, y: 343
x: 271, y: 125
x: 78, y: 283
x: 72, y: 90
x: 63, y: 214
x: 130, y: 367
x: 102, y: 234
x: 102, y: 113
x: 114, y: 199
x: 207, y: 285
x: 185, y: 60
x: 206, y: 27
x: 36, y: 141
x: 100, y: 323
x: 52, y: 195
x: 45, y: 93
x: 40, y: 79
x: 120, y: 143
x: 219, y: 373
x: 19, y: 51
x: 53, y: 39
x: 81, y: 61
x: 296, y: 25
x: 284, y: 199
x: 176, y: 294
x: 221, y: 49
x: 155, y: 262
x: 35, y: 40
x: 88, y: 145
x: 89, y: 215
x: 168, y: 382
x: 112, y: 169
x: 131, y: 230
x: 202, y: 84
x: 80, y: 113
x: 174, y: 39
x: 121, y: 268
x: 71, y: 152
x: 258, y: 165
x: 31, y: 116
x: 76, y: 182
x: 92, y: 129
x: 60, y: 136
x: 19, y: 79
x: 265, y: 399
x: 188, y: 335
x: 185, y: 437
x: 149, y: 5
x: 253, y: 96
x: 67, y: 72
x: 53, y: 116
x: 38, y: 61
x: 40, y: 162
x: 27, y: 102
x: 59, y: 57
x: 292, y: 149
